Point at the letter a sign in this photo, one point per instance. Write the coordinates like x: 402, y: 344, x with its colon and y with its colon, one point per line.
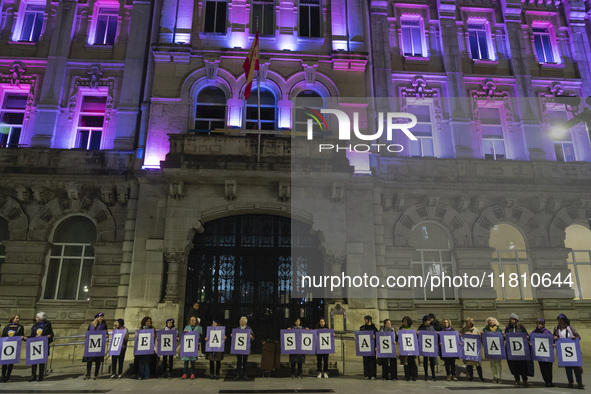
x: 364, y: 342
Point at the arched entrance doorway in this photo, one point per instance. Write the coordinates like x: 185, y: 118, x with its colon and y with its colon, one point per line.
x: 242, y: 266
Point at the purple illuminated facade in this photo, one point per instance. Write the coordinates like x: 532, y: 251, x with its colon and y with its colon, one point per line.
x: 107, y: 111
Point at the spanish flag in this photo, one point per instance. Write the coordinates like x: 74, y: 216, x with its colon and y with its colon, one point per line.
x: 251, y: 63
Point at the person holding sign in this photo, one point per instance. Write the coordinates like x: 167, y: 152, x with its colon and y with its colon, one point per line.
x: 389, y: 365
x: 167, y: 361
x: 298, y: 359
x: 322, y: 358
x: 215, y: 357
x: 450, y: 362
x: 13, y: 329
x: 492, y: 325
x: 469, y: 328
x: 98, y: 324
x: 545, y: 367
x: 144, y: 361
x: 426, y: 326
x: 517, y: 367
x: 369, y: 362
x: 410, y: 367
x: 192, y: 326
x: 564, y: 330
x: 242, y: 359
x: 118, y: 373
x: 41, y: 328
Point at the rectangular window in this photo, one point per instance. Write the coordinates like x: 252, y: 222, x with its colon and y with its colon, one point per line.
x: 543, y: 45
x: 423, y: 147
x: 579, y: 263
x: 91, y: 120
x: 510, y: 264
x: 262, y: 11
x: 215, y: 16
x: 310, y: 18
x: 491, y: 126
x: 12, y: 116
x: 412, y: 38
x: 69, y: 275
x: 561, y: 137
x: 433, y: 262
x: 32, y: 22
x: 106, y: 26
x: 478, y: 41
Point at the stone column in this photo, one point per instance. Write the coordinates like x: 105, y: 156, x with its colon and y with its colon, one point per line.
x: 475, y: 262
x: 173, y: 261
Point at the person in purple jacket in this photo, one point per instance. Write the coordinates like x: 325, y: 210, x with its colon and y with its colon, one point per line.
x: 545, y: 367
x: 97, y: 324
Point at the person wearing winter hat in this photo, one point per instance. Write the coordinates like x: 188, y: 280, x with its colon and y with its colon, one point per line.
x: 41, y: 328
x: 564, y: 330
x: 426, y: 326
x: 120, y: 359
x: 517, y: 367
x: 545, y: 367
x: 168, y: 360
x: 98, y: 324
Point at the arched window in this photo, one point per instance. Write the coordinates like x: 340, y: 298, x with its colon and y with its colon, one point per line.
x: 69, y: 268
x: 210, y: 109
x: 4, y: 236
x: 509, y: 259
x: 268, y: 108
x: 305, y: 100
x: 432, y: 257
x: 578, y: 238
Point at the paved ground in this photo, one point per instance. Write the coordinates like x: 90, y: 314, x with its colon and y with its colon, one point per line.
x: 73, y: 383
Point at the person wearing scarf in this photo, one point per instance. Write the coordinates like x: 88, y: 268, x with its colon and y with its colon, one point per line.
x: 167, y: 361
x: 492, y: 325
x: 13, y: 329
x: 118, y: 373
x: 192, y: 326
x: 426, y: 326
x: 389, y: 367
x: 242, y: 359
x: 41, y: 328
x: 545, y: 367
x: 410, y: 367
x: 98, y: 324
x: 564, y: 330
x: 470, y: 328
x: 517, y: 367
x: 215, y: 358
x: 450, y: 362
x: 369, y: 362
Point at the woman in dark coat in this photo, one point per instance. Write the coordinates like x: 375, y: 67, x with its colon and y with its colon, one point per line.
x: 545, y: 367
x: 410, y: 367
x: 215, y: 358
x: 98, y: 324
x: 13, y: 329
x: 41, y: 328
x: 564, y: 330
x: 517, y: 367
x: 450, y: 362
x: 298, y: 359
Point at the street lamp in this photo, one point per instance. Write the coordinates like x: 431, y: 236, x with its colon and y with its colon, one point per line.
x: 571, y: 103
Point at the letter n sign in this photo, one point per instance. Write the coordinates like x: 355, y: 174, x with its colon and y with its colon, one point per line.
x: 37, y: 350
x: 325, y: 341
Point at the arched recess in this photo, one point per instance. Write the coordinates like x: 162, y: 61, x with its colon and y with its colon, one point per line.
x: 198, y: 79
x: 44, y: 222
x: 18, y: 223
x: 520, y: 217
x: 448, y: 217
x: 564, y: 218
x: 322, y: 84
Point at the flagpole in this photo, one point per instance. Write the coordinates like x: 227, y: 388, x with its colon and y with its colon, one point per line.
x: 258, y: 98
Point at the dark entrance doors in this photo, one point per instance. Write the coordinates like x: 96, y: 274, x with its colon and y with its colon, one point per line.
x: 242, y: 266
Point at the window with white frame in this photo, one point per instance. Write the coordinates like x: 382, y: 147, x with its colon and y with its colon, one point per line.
x: 561, y: 136
x: 106, y: 25
x: 69, y: 264
x: 210, y: 109
x: 32, y: 23
x: 263, y: 12
x: 215, y: 16
x: 307, y: 101
x: 491, y: 127
x: 12, y: 116
x: 423, y: 130
x: 578, y: 239
x: 479, y: 37
x: 412, y: 37
x: 4, y: 236
x: 91, y: 121
x: 268, y: 111
x: 509, y: 260
x: 544, y: 45
x: 432, y: 256
x: 310, y: 18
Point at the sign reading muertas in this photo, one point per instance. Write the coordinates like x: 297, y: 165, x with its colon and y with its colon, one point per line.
x: 216, y: 339
x: 10, y: 350
x: 37, y: 350
x: 472, y: 349
x: 190, y: 344
x: 517, y: 346
x: 364, y: 343
x: 450, y: 344
x: 429, y: 344
x: 407, y: 340
x: 569, y: 352
x: 308, y: 342
x: 386, y: 344
x: 167, y: 342
x: 144, y: 342
x: 494, y: 345
x: 290, y: 340
x: 117, y: 342
x: 325, y: 341
x: 240, y: 341
x: 95, y: 343
x: 542, y: 347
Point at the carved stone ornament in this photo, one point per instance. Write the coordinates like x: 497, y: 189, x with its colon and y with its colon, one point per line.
x: 230, y: 190
x: 419, y: 92
x: 94, y: 81
x: 17, y: 77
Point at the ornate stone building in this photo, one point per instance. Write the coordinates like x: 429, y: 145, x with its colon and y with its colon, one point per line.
x: 139, y: 183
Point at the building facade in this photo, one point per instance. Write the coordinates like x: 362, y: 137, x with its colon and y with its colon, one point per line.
x: 136, y: 181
